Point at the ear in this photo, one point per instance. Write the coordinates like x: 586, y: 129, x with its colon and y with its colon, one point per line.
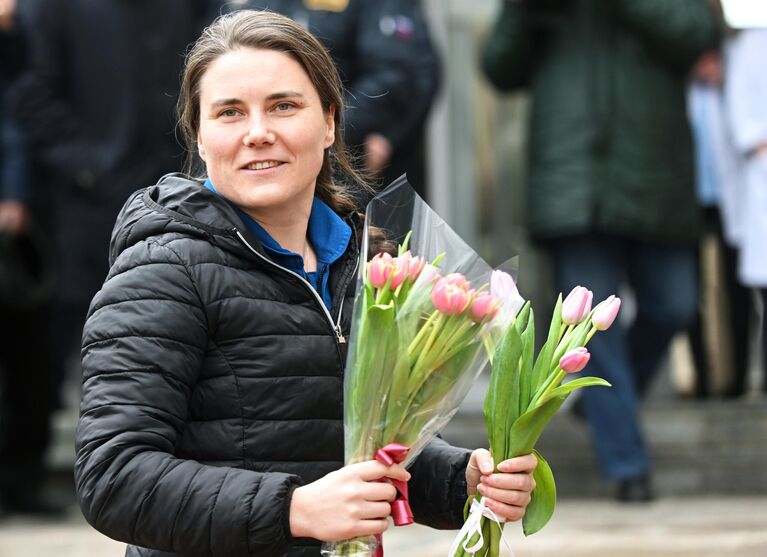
x: 200, y: 148
x: 330, y: 136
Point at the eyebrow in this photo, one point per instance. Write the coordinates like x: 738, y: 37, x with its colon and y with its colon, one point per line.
x: 272, y: 97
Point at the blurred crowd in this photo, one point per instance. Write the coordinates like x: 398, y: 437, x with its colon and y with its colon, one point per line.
x: 647, y: 139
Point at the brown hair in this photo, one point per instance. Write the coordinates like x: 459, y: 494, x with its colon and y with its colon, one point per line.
x: 267, y: 30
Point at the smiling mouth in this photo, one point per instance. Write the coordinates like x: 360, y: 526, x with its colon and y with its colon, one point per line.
x: 263, y: 165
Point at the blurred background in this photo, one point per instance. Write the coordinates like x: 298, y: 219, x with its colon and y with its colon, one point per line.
x: 619, y: 145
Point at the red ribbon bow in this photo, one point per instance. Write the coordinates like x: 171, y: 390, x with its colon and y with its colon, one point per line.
x: 400, y: 508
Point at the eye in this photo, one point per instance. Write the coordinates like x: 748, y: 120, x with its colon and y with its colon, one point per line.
x: 229, y: 113
x: 284, y: 106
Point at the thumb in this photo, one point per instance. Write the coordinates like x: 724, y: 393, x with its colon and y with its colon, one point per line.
x: 482, y: 460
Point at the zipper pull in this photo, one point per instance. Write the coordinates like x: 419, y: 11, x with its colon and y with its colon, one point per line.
x: 340, y: 336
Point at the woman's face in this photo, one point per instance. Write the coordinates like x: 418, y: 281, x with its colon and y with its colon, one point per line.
x: 263, y: 132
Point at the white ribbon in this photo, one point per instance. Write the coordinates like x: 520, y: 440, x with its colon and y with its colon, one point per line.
x: 473, y: 525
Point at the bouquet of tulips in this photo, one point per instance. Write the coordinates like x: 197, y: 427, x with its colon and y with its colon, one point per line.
x: 421, y: 333
x: 523, y: 395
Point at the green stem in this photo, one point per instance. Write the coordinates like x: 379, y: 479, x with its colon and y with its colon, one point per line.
x: 422, y: 333
x: 426, y: 350
x: 551, y: 384
x: 592, y: 332
x: 382, y: 295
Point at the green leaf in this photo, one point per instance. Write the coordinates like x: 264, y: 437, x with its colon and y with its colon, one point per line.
x: 520, y: 321
x: 543, y: 362
x: 405, y: 243
x: 502, y: 398
x: 526, y: 363
x: 544, y: 498
x: 528, y: 428
x: 567, y: 388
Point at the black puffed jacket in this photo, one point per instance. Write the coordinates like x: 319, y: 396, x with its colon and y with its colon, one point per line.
x: 213, y: 386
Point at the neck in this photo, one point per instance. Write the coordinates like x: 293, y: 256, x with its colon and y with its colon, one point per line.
x: 290, y: 231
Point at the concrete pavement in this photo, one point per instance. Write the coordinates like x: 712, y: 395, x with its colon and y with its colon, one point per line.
x: 678, y: 527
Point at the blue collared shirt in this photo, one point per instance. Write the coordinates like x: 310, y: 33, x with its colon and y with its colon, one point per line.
x: 327, y: 232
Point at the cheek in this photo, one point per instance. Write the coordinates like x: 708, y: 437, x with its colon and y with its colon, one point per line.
x: 314, y: 148
x: 217, y: 145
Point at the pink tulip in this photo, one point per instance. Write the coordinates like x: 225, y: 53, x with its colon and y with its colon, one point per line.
x: 484, y: 306
x: 417, y: 265
x: 587, y: 307
x: 457, y: 279
x: 449, y: 298
x: 502, y: 286
x: 428, y: 274
x: 577, y: 305
x: 400, y: 268
x: 605, y: 313
x: 379, y: 269
x: 574, y: 360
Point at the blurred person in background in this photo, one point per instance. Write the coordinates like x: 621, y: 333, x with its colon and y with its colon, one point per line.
x: 745, y: 94
x: 611, y: 194
x: 717, y: 181
x: 390, y: 70
x: 25, y: 372
x: 96, y: 104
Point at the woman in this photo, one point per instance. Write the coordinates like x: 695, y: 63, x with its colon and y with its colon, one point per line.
x: 211, y: 419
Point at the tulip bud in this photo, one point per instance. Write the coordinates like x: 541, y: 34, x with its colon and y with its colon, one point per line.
x: 400, y: 267
x: 449, y: 298
x: 502, y: 286
x: 457, y: 279
x: 428, y: 274
x: 587, y: 307
x: 417, y: 265
x: 576, y: 306
x: 574, y: 360
x: 605, y: 313
x: 379, y: 269
x: 483, y: 306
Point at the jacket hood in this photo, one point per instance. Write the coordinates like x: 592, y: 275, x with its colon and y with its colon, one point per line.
x: 176, y: 204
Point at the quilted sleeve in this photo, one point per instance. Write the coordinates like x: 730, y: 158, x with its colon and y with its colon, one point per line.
x: 437, y: 488
x: 143, y: 345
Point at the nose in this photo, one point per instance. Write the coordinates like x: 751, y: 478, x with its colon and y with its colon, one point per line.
x: 259, y: 132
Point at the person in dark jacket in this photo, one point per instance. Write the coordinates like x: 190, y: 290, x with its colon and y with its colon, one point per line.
x: 96, y: 105
x: 390, y: 69
x: 610, y: 180
x: 25, y: 372
x: 213, y: 356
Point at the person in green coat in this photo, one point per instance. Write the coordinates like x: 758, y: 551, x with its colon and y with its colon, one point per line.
x: 611, y: 190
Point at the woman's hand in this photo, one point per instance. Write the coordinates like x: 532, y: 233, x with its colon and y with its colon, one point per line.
x: 347, y: 503
x: 507, y: 493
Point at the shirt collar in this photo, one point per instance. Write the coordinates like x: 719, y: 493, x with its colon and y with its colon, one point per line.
x: 327, y: 232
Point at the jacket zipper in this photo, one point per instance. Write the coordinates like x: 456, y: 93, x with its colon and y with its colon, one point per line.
x: 335, y: 326
x: 343, y: 299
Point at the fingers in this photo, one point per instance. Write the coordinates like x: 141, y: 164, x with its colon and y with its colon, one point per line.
x: 513, y: 497
x: 372, y: 470
x: 508, y: 492
x: 371, y: 511
x: 526, y: 463
x: 513, y: 482
x: 378, y: 491
x: 509, y: 512
x: 482, y: 460
x: 370, y: 527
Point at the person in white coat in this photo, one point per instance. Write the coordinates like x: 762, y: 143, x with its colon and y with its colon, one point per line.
x: 745, y: 93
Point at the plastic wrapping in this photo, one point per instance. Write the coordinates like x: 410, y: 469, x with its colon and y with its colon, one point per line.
x: 415, y: 349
